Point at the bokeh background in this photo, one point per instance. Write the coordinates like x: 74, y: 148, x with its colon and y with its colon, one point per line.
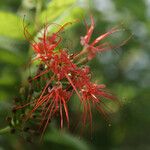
x: 125, y: 70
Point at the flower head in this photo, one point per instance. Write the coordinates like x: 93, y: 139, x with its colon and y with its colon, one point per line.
x: 64, y: 74
x: 93, y: 48
x: 61, y: 64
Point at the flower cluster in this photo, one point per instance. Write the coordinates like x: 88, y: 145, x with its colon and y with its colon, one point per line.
x: 62, y: 75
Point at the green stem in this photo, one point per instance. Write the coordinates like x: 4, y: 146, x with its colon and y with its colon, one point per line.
x: 84, y: 50
x: 5, y: 130
x: 83, y: 61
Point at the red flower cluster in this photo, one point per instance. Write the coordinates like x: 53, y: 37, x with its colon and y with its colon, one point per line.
x: 67, y: 74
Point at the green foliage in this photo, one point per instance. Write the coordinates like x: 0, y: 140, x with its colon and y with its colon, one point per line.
x: 55, y: 9
x: 66, y: 140
x: 133, y: 8
x: 11, y: 25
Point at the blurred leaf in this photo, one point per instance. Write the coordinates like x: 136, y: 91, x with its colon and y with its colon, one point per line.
x: 3, y: 96
x: 13, y: 45
x: 67, y: 140
x: 126, y: 92
x: 10, y: 5
x: 11, y: 25
x: 70, y: 15
x: 11, y: 58
x: 7, y: 79
x: 57, y: 6
x: 137, y: 9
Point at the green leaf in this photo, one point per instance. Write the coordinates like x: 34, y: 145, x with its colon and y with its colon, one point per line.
x: 70, y: 15
x: 11, y: 25
x: 13, y: 45
x: 55, y: 9
x: 66, y: 140
x: 7, y: 78
x: 138, y: 10
x: 5, y: 130
x: 11, y: 58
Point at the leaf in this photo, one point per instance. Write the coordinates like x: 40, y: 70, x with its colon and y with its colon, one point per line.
x: 8, y: 78
x: 70, y: 15
x: 55, y: 9
x: 11, y: 58
x: 67, y: 140
x: 11, y: 25
x: 13, y: 45
x: 138, y: 10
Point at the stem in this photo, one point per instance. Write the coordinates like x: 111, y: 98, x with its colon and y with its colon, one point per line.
x: 83, y: 61
x: 5, y: 130
x: 80, y: 54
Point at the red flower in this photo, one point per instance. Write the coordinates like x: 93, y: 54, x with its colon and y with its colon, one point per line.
x: 89, y: 93
x: 66, y: 74
x: 81, y: 76
x: 93, y: 48
x: 61, y: 64
x: 51, y: 102
x: 92, y: 95
x: 46, y: 45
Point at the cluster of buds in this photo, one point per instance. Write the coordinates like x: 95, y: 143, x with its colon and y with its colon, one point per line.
x: 60, y: 75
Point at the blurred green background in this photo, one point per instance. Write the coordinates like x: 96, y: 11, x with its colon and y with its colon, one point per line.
x: 125, y: 71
